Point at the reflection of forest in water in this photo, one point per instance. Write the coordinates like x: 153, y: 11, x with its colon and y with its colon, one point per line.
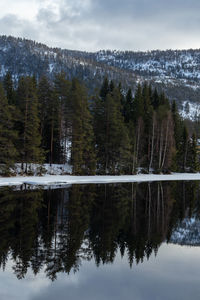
x: 57, y: 229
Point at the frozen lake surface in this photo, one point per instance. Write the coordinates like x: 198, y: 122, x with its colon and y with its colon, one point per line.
x: 69, y: 179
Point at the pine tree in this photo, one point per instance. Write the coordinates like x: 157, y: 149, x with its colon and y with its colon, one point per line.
x: 105, y: 89
x: 138, y: 105
x: 192, y: 154
x: 44, y: 99
x: 148, y: 124
x: 137, y: 120
x: 164, y: 101
x: 82, y: 148
x: 155, y: 99
x: 49, y: 113
x: 8, y: 136
x: 9, y: 89
x: 183, y: 150
x: 178, y: 128
x: 116, y: 138
x: 62, y: 90
x: 164, y: 139
x: 111, y: 86
x: 29, y: 124
x: 112, y: 140
x: 128, y: 107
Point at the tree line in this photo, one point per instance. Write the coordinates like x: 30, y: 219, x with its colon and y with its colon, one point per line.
x: 109, y: 132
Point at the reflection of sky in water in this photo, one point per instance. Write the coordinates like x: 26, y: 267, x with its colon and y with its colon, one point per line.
x: 174, y: 274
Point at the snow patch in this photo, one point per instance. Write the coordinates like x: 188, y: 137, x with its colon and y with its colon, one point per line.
x: 190, y: 110
x: 68, y: 179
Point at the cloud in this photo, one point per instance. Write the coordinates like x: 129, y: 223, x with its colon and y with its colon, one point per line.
x: 12, y: 25
x: 114, y: 24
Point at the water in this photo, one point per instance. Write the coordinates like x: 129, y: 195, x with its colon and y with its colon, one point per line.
x: 115, y: 241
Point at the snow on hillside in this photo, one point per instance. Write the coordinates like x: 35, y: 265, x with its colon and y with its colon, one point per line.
x: 190, y: 110
x: 176, y: 72
x: 161, y: 64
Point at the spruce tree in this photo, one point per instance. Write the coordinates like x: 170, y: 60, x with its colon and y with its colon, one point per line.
x: 128, y: 106
x: 49, y: 113
x: 62, y: 91
x: 138, y: 105
x: 8, y: 136
x: 82, y: 147
x: 44, y: 99
x: 183, y: 150
x: 178, y: 129
x: 105, y: 89
x: 29, y: 124
x: 148, y: 123
x: 155, y: 99
x: 9, y: 89
x: 112, y: 140
x: 192, y: 154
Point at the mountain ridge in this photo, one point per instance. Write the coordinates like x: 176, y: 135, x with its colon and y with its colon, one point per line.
x: 176, y: 72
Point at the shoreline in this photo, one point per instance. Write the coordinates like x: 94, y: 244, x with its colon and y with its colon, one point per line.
x: 48, y: 180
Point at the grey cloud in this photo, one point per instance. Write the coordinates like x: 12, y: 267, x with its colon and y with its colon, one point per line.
x: 114, y: 24
x: 117, y: 281
x: 149, y: 8
x: 12, y: 25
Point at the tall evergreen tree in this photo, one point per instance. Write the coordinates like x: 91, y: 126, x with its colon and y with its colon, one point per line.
x: 192, y: 160
x: 183, y: 150
x: 29, y: 124
x: 155, y: 99
x: 9, y: 88
x: 8, y: 136
x: 49, y: 112
x: 138, y: 105
x: 82, y: 148
x: 128, y: 106
x: 112, y: 141
x: 178, y: 129
x: 62, y: 90
x: 105, y: 89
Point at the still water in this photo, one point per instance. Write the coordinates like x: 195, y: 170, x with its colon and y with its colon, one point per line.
x: 96, y: 242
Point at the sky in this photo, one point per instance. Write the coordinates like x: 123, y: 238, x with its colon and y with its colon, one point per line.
x: 172, y: 274
x: 92, y: 25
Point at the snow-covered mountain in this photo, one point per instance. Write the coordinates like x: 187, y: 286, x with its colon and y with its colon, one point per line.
x: 177, y: 72
x: 26, y: 57
x: 159, y: 65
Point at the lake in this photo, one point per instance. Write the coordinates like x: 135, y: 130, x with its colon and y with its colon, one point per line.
x: 101, y: 241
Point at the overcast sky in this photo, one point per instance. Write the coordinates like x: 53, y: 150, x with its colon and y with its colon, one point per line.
x: 104, y: 24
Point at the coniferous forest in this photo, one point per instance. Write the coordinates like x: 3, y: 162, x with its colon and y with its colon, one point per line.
x: 111, y: 131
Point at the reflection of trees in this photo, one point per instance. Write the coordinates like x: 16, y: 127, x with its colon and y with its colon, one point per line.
x: 57, y: 229
x: 19, y: 227
x: 70, y: 228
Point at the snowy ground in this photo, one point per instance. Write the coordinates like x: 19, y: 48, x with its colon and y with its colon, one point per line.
x: 190, y: 110
x: 54, y: 169
x: 59, y: 180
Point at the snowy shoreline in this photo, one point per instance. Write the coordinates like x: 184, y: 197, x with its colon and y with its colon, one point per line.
x: 48, y: 180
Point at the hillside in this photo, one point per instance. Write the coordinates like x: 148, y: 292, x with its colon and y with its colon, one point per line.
x: 176, y: 72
